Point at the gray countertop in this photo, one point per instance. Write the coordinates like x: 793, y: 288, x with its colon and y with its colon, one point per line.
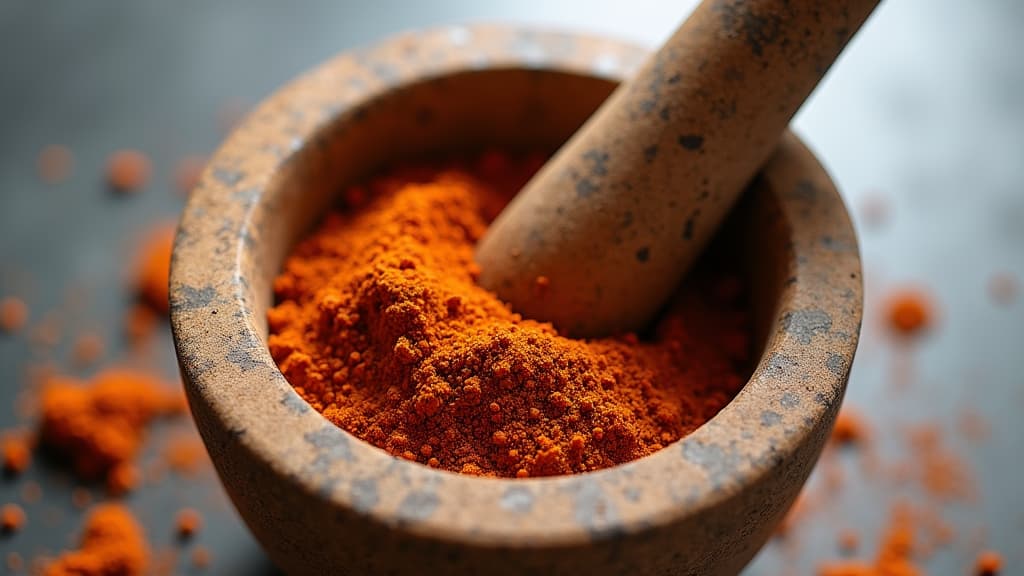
x: 923, y: 116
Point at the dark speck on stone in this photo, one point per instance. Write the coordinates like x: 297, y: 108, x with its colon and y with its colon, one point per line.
x: 517, y: 499
x: 585, y: 188
x: 418, y: 505
x: 650, y: 153
x: 191, y: 298
x: 226, y: 176
x: 835, y: 364
x: 331, y: 445
x: 674, y: 78
x: 805, y: 190
x: 593, y: 509
x: 294, y: 402
x: 689, y: 225
x: 598, y: 161
x: 664, y: 114
x: 805, y: 324
x: 364, y: 494
x: 643, y: 254
x: 691, y: 141
x: 770, y: 418
x: 647, y: 106
x: 716, y: 461
x: 789, y: 400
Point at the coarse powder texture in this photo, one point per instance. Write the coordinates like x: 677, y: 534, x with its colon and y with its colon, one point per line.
x: 380, y: 326
x: 100, y: 425
x: 112, y: 544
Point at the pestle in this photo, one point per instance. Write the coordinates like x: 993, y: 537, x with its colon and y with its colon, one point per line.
x: 600, y: 237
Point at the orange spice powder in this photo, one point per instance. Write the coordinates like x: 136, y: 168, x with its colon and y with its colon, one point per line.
x: 909, y: 312
x: 188, y: 522
x: 895, y: 556
x: 112, y: 544
x: 128, y: 170
x: 185, y: 455
x: 988, y: 563
x: 54, y: 163
x: 381, y: 326
x: 100, y: 425
x: 12, y: 518
x: 850, y: 427
x: 154, y: 267
x: 13, y: 314
x: 16, y: 451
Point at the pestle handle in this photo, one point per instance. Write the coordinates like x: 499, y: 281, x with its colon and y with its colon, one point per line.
x: 599, y: 239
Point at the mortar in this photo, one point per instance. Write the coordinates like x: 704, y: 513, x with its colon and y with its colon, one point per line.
x: 321, y: 501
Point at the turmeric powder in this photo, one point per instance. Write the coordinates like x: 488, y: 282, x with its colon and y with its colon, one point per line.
x: 112, y: 544
x: 380, y: 326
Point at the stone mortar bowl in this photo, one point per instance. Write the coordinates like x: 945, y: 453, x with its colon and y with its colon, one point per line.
x: 321, y: 501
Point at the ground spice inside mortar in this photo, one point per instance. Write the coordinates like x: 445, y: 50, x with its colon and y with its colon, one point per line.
x: 381, y: 326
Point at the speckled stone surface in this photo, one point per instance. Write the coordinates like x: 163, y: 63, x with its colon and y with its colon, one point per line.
x: 321, y: 501
x: 615, y: 219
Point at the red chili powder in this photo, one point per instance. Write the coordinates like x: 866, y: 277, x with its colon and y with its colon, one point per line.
x: 381, y: 326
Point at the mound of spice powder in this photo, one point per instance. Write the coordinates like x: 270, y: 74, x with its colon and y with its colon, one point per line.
x: 112, y: 544
x: 100, y: 425
x: 381, y: 327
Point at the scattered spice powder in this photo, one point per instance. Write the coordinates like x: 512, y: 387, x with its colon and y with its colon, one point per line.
x: 128, y: 170
x: 15, y: 563
x: 81, y: 498
x: 31, y: 492
x: 13, y: 314
x: 849, y: 541
x: 909, y: 311
x: 123, y: 478
x: 1003, y: 288
x: 988, y: 563
x: 139, y: 324
x: 100, y: 425
x: 941, y: 472
x: 188, y: 522
x: 88, y: 348
x: 112, y: 544
x: 850, y: 427
x: 381, y: 326
x: 201, y: 557
x: 12, y: 518
x: 185, y: 454
x: 154, y: 267
x: 54, y: 164
x: 17, y: 452
x: 895, y: 552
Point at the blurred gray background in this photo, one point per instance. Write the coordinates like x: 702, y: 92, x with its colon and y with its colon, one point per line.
x: 921, y: 123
